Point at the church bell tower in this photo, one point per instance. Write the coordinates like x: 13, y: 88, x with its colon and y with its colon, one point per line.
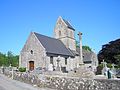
x: 65, y: 32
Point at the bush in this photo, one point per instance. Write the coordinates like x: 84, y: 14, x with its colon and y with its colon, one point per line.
x: 109, y: 65
x: 22, y: 69
x: 99, y: 70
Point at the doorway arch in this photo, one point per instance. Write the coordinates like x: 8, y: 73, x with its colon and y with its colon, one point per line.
x: 31, y: 65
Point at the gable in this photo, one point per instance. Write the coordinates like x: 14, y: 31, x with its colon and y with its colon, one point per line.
x: 33, y: 44
x: 68, y: 25
x: 65, y: 22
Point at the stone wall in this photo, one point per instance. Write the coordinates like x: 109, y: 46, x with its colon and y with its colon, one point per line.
x: 65, y: 83
x: 38, y: 54
x: 65, y: 34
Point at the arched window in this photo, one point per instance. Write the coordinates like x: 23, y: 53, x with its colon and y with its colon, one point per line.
x: 71, y: 35
x: 59, y: 33
x: 51, y: 59
x: 31, y: 51
x: 65, y: 61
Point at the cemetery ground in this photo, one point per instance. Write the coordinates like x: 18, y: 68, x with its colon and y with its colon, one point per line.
x: 9, y: 84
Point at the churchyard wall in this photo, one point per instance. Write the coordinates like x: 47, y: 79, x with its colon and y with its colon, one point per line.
x: 61, y: 82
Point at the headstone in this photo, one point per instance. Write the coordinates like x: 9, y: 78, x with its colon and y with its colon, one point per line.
x: 113, y: 68
x: 10, y: 67
x: 109, y: 74
x: 58, y: 66
x: 113, y: 71
x: 50, y: 67
x: 105, y: 69
x: 2, y: 69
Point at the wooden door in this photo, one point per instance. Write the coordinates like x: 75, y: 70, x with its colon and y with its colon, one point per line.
x: 31, y: 65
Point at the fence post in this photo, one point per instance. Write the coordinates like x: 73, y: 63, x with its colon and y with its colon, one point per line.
x: 12, y: 73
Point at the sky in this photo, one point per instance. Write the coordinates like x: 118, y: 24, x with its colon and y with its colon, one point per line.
x: 98, y: 20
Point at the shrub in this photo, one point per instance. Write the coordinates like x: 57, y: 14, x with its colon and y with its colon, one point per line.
x: 109, y: 65
x: 99, y: 70
x: 22, y: 69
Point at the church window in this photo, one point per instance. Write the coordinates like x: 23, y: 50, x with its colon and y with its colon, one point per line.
x: 51, y: 59
x: 31, y: 51
x: 65, y: 61
x: 65, y: 32
x: 83, y: 56
x: 59, y: 33
x: 71, y: 34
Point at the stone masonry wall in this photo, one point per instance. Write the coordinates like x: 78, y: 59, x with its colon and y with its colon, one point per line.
x: 65, y: 83
x: 38, y: 55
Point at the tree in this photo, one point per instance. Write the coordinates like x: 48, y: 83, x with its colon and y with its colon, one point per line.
x: 83, y: 47
x: 110, y: 52
x: 117, y: 57
x: 8, y: 59
x: 2, y: 59
x: 87, y: 48
x: 15, y: 61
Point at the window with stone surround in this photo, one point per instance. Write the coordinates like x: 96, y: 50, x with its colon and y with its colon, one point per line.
x: 71, y: 34
x: 31, y: 51
x: 51, y: 59
x: 59, y: 33
x: 65, y: 61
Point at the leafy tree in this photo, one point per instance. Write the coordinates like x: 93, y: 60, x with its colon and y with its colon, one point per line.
x: 110, y: 52
x: 2, y: 59
x: 86, y: 48
x: 117, y: 57
x: 15, y: 61
x: 8, y: 59
x: 83, y: 47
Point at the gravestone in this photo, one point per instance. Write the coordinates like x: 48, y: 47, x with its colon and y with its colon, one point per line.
x: 58, y: 66
x: 50, y: 67
x: 105, y: 69
x: 113, y: 71
x: 2, y: 69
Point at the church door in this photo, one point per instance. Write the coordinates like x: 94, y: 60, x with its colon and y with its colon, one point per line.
x: 31, y: 65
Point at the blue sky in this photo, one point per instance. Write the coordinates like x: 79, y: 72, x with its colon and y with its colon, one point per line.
x: 98, y: 20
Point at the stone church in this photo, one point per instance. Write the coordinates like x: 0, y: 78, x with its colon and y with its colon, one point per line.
x: 49, y: 53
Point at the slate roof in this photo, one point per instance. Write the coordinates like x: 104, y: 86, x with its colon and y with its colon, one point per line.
x: 87, y: 55
x: 68, y: 24
x: 75, y: 53
x: 53, y: 46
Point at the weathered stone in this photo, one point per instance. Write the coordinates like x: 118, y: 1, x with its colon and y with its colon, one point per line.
x: 66, y: 83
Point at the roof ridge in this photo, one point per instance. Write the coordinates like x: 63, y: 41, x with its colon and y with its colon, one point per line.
x: 68, y: 24
x: 45, y: 35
